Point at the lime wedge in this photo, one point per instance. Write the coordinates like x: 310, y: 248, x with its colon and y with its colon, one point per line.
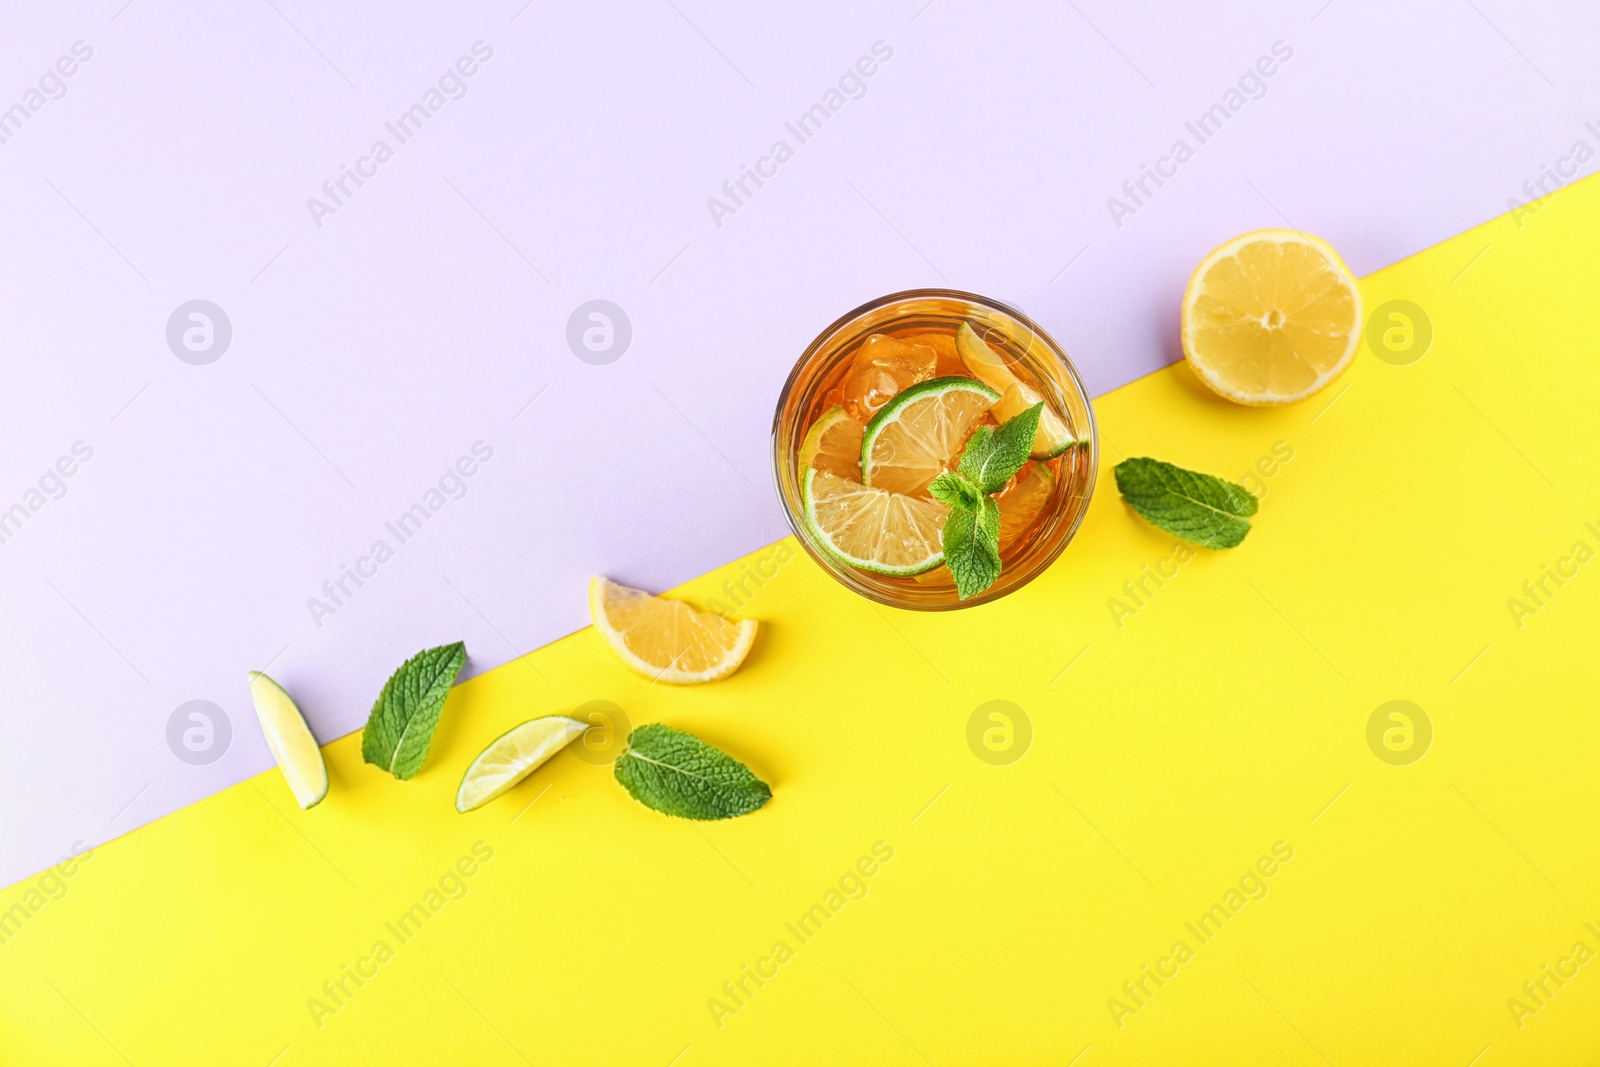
x: 873, y: 529
x: 919, y: 434
x: 513, y: 756
x: 985, y: 364
x: 290, y: 740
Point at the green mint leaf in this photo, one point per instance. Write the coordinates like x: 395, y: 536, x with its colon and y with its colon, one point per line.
x: 972, y: 547
x: 992, y: 457
x: 402, y: 722
x: 979, y: 445
x: 1196, y: 507
x: 955, y: 490
x: 680, y: 775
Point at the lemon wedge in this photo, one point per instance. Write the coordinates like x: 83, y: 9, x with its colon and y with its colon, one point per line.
x: 667, y: 640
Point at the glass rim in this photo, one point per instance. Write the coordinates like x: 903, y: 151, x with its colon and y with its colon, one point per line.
x: 780, y: 453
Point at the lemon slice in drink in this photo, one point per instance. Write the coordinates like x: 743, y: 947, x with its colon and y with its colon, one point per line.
x: 1023, y: 501
x: 873, y: 529
x: 513, y: 756
x: 833, y: 444
x: 667, y: 640
x: 920, y: 433
x: 1271, y: 317
x: 290, y: 740
x: 981, y: 361
x: 1016, y: 395
x: 1052, y: 438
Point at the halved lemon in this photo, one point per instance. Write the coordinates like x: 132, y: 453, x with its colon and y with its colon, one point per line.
x: 833, y: 444
x: 290, y: 740
x: 873, y: 529
x: 1016, y: 395
x: 667, y: 640
x: 513, y: 756
x: 1023, y: 501
x: 920, y: 433
x: 1271, y: 317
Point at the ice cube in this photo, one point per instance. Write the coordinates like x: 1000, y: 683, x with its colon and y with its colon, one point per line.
x: 944, y: 346
x: 884, y: 366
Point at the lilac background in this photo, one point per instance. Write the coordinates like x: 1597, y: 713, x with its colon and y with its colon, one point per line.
x: 425, y: 315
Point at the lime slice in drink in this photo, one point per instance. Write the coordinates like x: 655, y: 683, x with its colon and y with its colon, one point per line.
x: 513, y: 756
x: 985, y: 364
x: 290, y: 740
x: 920, y: 433
x: 873, y: 529
x: 833, y: 444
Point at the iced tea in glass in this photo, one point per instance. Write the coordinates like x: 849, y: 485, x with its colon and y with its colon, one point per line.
x: 885, y: 400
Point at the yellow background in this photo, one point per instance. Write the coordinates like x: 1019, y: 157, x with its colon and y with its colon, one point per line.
x: 1169, y: 753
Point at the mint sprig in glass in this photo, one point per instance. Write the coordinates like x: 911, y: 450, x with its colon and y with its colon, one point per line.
x: 971, y: 537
